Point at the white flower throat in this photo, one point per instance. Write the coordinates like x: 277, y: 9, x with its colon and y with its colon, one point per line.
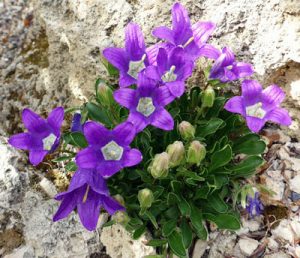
x: 136, y: 66
x: 48, y: 142
x: 112, y: 151
x: 256, y: 110
x: 170, y: 76
x: 145, y: 106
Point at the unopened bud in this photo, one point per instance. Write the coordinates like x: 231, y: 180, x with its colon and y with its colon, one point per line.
x: 176, y: 153
x: 208, y: 97
x: 119, y: 198
x: 196, y: 153
x: 105, y: 94
x: 121, y: 217
x: 159, y: 167
x: 186, y: 130
x: 146, y: 198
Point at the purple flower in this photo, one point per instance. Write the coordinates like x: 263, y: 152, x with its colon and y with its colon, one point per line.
x: 146, y: 104
x: 76, y: 123
x: 259, y: 106
x: 88, y: 193
x: 191, y: 37
x: 42, y: 136
x: 108, y: 151
x: 172, y: 70
x: 226, y: 68
x: 254, y: 206
x: 131, y: 60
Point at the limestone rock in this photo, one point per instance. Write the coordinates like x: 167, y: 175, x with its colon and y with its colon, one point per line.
x: 284, y: 231
x: 295, y: 184
x: 199, y: 248
x: 248, y: 245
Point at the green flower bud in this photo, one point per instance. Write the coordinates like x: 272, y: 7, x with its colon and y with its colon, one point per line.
x: 208, y: 97
x: 196, y: 153
x: 159, y: 167
x: 121, y: 217
x: 176, y: 153
x: 119, y: 198
x: 186, y: 130
x: 146, y: 198
x: 105, y: 94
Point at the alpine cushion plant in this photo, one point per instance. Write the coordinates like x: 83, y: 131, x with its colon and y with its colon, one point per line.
x: 160, y: 156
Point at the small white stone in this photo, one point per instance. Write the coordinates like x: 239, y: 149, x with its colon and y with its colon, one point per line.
x: 297, y: 251
x: 248, y: 245
x: 295, y: 184
x: 275, y: 186
x: 272, y: 244
x: 284, y: 231
x: 252, y: 224
x: 48, y: 187
x: 295, y: 225
x: 199, y: 248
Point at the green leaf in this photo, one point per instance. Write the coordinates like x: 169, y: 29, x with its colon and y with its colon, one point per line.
x: 224, y: 221
x: 172, y: 199
x: 71, y: 166
x: 250, y: 144
x: 197, y: 222
x: 158, y: 190
x: 63, y: 158
x: 169, y: 227
x: 152, y: 218
x: 176, y: 244
x: 138, y: 232
x: 215, y: 202
x: 184, y: 206
x: 109, y: 223
x: 97, y: 113
x: 187, y: 233
x: 210, y: 127
x: 172, y: 212
x: 247, y: 167
x: 157, y: 242
x: 221, y: 157
x: 176, y: 186
x: 154, y: 256
x: 76, y: 139
x: 202, y: 192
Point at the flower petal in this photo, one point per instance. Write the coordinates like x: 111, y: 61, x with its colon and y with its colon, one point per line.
x: 152, y: 72
x: 89, y: 210
x: 254, y: 123
x: 132, y: 157
x: 279, y: 116
x: 251, y: 92
x: 67, y: 205
x: 36, y: 156
x: 126, y: 80
x: 202, y: 31
x: 164, y: 33
x: 21, y: 141
x: 272, y: 97
x: 96, y: 134
x: 162, y: 61
x: 229, y: 56
x: 109, y: 168
x: 88, y: 158
x: 134, y: 42
x: 111, y: 205
x: 152, y: 51
x: 163, y: 120
x: 138, y: 120
x: 242, y: 69
x: 163, y: 96
x: 117, y: 57
x: 125, y: 97
x: 34, y: 123
x: 56, y: 118
x: 235, y: 105
x: 185, y: 71
x: 124, y: 133
x: 209, y: 51
x: 176, y: 88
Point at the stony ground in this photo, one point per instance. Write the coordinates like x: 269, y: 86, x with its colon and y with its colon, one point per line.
x: 49, y: 54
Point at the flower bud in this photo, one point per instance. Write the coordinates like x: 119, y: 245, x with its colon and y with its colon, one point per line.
x: 196, y: 153
x: 105, y: 94
x: 159, y: 167
x: 121, y: 217
x: 186, y: 130
x: 208, y: 97
x: 146, y: 198
x: 176, y: 153
x: 119, y: 198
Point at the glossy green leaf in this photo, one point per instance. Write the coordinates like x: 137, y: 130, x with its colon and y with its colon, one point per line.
x: 184, y: 206
x: 210, y: 127
x: 187, y: 233
x: 250, y: 144
x: 169, y: 227
x: 217, y: 203
x: 152, y: 218
x: 197, y: 222
x: 224, y: 221
x: 71, y: 166
x: 247, y: 167
x: 176, y: 244
x: 63, y: 158
x: 76, y: 139
x: 97, y: 113
x: 221, y: 157
x: 139, y: 232
x: 157, y: 242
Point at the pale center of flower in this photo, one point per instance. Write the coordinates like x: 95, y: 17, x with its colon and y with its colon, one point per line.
x: 170, y: 76
x: 112, y: 151
x: 136, y: 66
x: 49, y: 141
x: 145, y: 106
x: 256, y: 110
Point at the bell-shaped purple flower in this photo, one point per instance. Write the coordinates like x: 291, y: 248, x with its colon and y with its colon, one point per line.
x: 254, y: 206
x: 88, y: 193
x: 259, y: 106
x: 108, y: 151
x: 42, y: 136
x: 172, y: 70
x: 191, y: 37
x: 226, y: 68
x: 146, y: 104
x: 131, y: 60
x: 76, y: 125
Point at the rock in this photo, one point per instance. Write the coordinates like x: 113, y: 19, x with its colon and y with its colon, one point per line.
x: 119, y: 243
x: 199, y: 248
x: 297, y: 251
x: 277, y: 255
x: 248, y: 245
x: 48, y: 187
x: 277, y: 187
x: 295, y: 184
x: 295, y: 225
x: 284, y: 232
x: 222, y: 246
x: 295, y: 196
x: 272, y: 244
x: 253, y: 225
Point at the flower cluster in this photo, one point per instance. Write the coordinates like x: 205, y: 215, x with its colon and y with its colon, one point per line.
x: 151, y: 78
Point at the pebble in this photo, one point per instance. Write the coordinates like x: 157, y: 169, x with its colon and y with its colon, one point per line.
x: 272, y: 244
x: 248, y: 245
x: 295, y: 184
x: 284, y: 232
x: 199, y: 248
x: 295, y: 196
x: 48, y: 187
x: 277, y: 187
